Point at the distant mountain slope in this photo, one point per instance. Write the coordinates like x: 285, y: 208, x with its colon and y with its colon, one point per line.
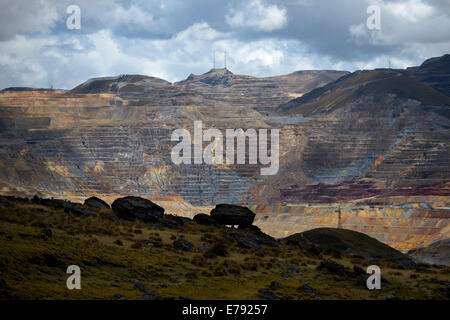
x: 434, y: 72
x: 364, y: 136
x: 436, y: 253
x: 122, y: 83
x: 368, y: 134
x: 217, y: 84
x: 262, y: 94
x: 348, y: 89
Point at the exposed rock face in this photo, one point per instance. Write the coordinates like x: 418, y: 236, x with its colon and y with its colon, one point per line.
x: 96, y: 203
x: 246, y: 241
x: 436, y: 253
x: 403, y: 227
x: 263, y: 94
x: 131, y: 208
x: 377, y: 137
x: 232, y: 215
x: 434, y: 72
x: 366, y: 135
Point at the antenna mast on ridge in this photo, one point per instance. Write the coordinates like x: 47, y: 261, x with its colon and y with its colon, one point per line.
x: 225, y: 55
x: 214, y: 59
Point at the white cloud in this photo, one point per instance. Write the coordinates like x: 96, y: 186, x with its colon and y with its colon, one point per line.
x: 258, y: 16
x: 118, y: 16
x: 358, y: 30
x: 404, y: 24
x: 26, y: 17
x: 67, y: 61
x: 200, y: 31
x: 411, y: 10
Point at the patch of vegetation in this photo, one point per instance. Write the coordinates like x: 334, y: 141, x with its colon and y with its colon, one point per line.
x: 34, y: 267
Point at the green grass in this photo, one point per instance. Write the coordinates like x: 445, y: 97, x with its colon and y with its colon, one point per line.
x: 34, y: 268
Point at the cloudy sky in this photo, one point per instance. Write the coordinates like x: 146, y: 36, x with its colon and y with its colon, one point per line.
x: 171, y: 39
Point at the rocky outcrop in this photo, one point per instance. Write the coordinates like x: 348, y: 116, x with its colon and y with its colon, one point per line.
x: 249, y: 240
x: 122, y: 84
x: 436, y: 253
x: 132, y: 208
x: 403, y: 227
x: 204, y: 219
x: 370, y: 138
x: 348, y: 242
x: 373, y: 134
x: 96, y: 203
x: 182, y: 244
x: 434, y: 72
x: 263, y: 94
x: 229, y: 214
x: 72, y: 209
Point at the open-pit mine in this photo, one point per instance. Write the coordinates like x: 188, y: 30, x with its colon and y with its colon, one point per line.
x: 367, y: 150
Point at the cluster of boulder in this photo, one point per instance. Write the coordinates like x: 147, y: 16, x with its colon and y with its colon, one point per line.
x: 133, y: 208
x: 136, y: 208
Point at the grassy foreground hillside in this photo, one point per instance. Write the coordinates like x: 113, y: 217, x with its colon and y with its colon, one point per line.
x: 135, y: 260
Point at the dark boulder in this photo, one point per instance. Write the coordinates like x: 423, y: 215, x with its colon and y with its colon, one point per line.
x: 132, y: 208
x: 361, y: 280
x: 4, y: 204
x: 306, y: 288
x: 268, y: 294
x: 173, y: 222
x: 182, y: 244
x: 169, y: 222
x: 96, y: 203
x: 148, y: 295
x: 204, y: 219
x: 178, y: 219
x: 359, y: 270
x: 292, y: 268
x: 54, y: 203
x: 446, y: 290
x: 79, y: 211
x: 246, y: 241
x: 275, y: 285
x: 118, y: 296
x: 332, y: 267
x: 229, y: 214
x: 251, y: 238
x: 110, y: 216
x: 45, y: 233
x: 5, y: 290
